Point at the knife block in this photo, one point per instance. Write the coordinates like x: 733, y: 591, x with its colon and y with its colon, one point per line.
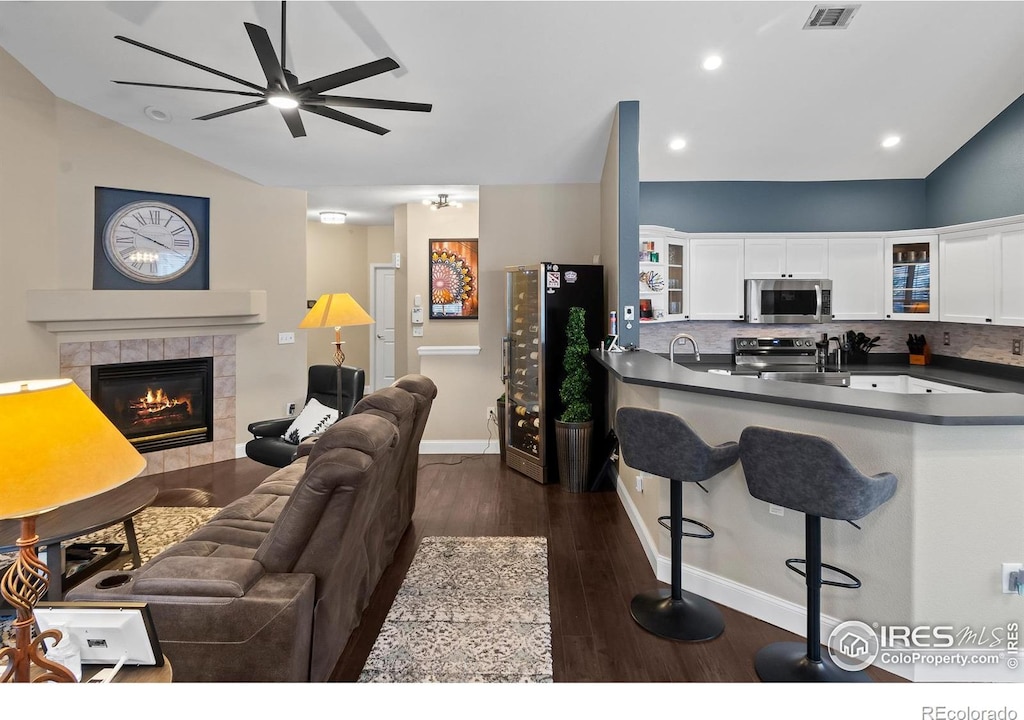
x: 924, y: 358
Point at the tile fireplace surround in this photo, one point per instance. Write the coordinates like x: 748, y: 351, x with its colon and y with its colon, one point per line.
x: 77, y: 359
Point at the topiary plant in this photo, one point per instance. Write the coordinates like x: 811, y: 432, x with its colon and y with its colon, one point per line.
x: 573, y: 391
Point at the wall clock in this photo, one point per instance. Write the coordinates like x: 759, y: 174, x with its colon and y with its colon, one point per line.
x: 150, y: 240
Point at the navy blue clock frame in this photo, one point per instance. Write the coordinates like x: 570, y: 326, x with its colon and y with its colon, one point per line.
x: 106, y: 277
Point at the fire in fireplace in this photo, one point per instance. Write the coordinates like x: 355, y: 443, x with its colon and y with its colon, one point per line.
x: 160, y: 404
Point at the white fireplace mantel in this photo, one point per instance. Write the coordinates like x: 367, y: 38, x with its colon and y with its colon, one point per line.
x: 83, y: 310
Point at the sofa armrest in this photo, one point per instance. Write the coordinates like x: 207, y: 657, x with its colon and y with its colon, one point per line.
x: 192, y: 577
x: 270, y: 428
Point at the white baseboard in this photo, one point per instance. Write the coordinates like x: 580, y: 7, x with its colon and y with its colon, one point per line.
x: 239, y: 450
x: 742, y: 598
x: 459, y: 447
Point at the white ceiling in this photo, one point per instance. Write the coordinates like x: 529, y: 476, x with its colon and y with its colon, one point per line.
x: 524, y: 92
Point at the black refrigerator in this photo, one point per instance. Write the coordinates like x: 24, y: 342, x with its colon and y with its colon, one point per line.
x: 538, y: 298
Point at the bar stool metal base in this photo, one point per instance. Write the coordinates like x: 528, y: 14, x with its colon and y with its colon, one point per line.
x: 788, y: 662
x: 691, y: 618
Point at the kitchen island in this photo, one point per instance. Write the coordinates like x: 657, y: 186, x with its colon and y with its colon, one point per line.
x: 931, y: 556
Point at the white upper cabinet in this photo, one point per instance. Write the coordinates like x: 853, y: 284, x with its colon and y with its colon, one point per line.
x: 856, y: 267
x: 910, y: 278
x: 716, y: 278
x: 982, y: 275
x: 770, y: 258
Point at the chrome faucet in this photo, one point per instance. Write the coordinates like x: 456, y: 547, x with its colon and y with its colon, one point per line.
x: 672, y: 347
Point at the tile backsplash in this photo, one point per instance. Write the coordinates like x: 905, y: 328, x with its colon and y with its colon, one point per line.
x: 988, y: 343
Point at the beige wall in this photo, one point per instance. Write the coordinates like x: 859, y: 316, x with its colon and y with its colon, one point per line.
x: 54, y: 154
x: 336, y: 262
x: 519, y: 225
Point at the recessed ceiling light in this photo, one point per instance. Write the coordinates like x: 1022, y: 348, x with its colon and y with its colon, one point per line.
x: 712, y: 62
x: 677, y: 144
x: 283, y: 101
x: 891, y: 141
x: 332, y: 218
x: 155, y: 113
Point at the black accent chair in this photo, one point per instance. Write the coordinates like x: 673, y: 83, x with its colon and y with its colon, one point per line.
x: 663, y: 444
x: 811, y: 475
x: 267, y: 445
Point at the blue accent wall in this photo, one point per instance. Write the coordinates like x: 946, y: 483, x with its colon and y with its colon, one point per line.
x: 629, y: 218
x: 984, y: 179
x: 758, y: 206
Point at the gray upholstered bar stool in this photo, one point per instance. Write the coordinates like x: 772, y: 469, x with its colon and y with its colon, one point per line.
x: 663, y: 444
x: 811, y: 475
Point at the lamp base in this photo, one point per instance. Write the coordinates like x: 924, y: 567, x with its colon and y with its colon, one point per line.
x: 25, y: 581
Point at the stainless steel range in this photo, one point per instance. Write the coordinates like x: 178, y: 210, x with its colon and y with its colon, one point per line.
x: 788, y: 358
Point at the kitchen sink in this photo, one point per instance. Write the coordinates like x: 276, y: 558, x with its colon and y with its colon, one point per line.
x: 834, y: 378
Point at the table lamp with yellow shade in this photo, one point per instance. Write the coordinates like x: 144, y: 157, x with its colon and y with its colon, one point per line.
x: 56, y: 448
x: 336, y: 310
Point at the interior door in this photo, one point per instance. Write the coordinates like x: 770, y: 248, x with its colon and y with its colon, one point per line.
x: 383, y: 369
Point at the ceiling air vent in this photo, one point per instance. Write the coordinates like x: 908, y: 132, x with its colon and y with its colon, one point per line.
x: 830, y: 17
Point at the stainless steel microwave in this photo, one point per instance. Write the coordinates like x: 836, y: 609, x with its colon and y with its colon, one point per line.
x: 788, y: 301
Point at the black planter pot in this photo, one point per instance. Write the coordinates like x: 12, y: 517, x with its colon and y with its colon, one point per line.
x: 573, y: 443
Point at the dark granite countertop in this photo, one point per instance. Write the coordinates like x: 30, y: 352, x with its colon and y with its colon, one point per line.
x: 1001, y: 403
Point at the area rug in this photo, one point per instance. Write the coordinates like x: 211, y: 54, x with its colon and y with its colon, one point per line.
x: 155, y: 528
x: 471, y: 609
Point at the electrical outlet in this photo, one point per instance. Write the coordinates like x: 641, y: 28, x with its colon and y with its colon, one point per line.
x: 945, y: 338
x: 289, y: 408
x: 286, y: 338
x: 776, y: 510
x: 1016, y: 346
x: 639, y: 483
x: 1009, y: 568
x: 491, y: 414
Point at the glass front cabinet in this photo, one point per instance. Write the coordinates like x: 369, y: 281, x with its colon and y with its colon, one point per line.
x: 911, y: 278
x: 664, y: 292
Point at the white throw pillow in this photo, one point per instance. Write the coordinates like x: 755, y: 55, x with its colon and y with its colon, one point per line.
x: 314, y: 419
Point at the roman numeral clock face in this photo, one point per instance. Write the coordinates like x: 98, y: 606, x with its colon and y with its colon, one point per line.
x: 151, y: 241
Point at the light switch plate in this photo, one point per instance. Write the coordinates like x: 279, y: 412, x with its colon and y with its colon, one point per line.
x: 627, y: 312
x: 417, y: 331
x: 286, y: 338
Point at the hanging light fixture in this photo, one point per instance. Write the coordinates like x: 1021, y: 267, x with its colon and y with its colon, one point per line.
x: 442, y: 202
x: 333, y: 218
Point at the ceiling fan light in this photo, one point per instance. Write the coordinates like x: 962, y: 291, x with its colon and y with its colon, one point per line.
x: 333, y: 218
x: 284, y: 101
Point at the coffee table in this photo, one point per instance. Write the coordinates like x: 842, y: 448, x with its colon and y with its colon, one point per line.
x: 119, y: 505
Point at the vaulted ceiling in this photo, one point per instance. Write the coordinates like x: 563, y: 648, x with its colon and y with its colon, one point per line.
x: 524, y: 92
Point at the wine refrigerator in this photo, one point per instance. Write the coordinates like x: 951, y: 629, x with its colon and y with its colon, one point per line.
x: 538, y: 299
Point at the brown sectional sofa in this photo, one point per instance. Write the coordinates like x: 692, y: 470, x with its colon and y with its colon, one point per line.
x: 271, y: 588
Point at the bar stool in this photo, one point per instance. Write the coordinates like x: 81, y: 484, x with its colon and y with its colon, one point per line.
x: 663, y: 444
x: 811, y: 475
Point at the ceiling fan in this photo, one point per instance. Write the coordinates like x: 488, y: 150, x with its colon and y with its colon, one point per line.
x: 285, y: 92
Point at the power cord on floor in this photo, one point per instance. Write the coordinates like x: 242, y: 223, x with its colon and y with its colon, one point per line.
x: 475, y: 456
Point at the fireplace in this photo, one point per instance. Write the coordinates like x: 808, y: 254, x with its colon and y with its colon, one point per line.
x: 158, y: 404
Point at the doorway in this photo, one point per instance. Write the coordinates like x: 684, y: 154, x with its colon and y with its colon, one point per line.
x: 382, y: 358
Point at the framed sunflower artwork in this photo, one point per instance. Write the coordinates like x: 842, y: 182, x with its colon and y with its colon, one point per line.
x: 453, y: 280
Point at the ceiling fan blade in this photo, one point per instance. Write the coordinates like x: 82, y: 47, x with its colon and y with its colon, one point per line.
x: 158, y: 51
x: 345, y: 118
x: 360, y: 72
x: 189, y: 87
x: 340, y: 101
x: 267, y: 56
x: 229, y: 111
x: 294, y: 122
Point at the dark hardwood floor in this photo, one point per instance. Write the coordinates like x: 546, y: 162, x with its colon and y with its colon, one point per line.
x: 596, y: 565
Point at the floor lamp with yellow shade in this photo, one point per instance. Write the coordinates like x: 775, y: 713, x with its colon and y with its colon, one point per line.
x: 336, y: 310
x: 56, y: 448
